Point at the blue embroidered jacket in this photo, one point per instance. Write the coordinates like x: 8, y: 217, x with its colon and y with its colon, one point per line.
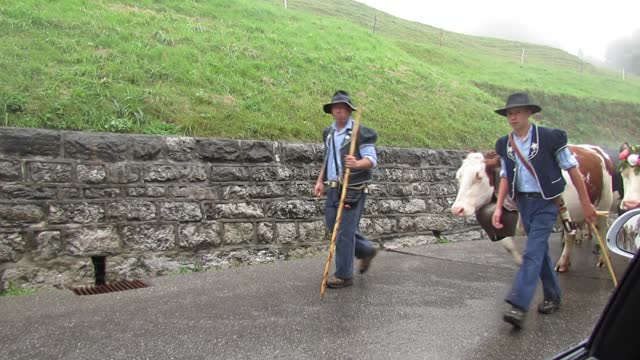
x: 545, y: 144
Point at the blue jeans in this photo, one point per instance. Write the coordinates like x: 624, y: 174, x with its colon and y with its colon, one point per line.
x: 538, y: 216
x: 349, y: 241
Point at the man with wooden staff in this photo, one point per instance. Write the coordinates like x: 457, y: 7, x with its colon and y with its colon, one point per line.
x: 336, y: 139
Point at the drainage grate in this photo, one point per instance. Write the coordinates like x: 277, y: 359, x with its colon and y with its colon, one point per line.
x: 107, y: 288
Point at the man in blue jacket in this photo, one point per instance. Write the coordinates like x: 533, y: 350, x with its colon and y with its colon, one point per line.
x: 533, y: 158
x: 337, y: 139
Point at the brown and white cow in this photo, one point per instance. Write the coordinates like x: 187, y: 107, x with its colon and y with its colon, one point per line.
x: 477, y: 179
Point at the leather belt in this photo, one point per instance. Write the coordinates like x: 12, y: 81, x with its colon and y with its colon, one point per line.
x: 332, y: 184
x: 529, y: 195
x: 336, y: 184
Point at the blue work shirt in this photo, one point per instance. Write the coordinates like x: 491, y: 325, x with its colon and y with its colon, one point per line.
x: 525, y: 182
x: 366, y: 150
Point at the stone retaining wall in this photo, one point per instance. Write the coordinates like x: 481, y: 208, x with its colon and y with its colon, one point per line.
x: 155, y: 205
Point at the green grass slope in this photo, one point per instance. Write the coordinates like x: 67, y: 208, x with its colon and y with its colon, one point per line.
x: 252, y: 69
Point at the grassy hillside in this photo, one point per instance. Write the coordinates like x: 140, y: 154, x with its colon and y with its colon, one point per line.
x: 252, y: 69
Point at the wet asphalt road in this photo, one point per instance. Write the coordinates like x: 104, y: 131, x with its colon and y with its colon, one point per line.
x: 444, y: 304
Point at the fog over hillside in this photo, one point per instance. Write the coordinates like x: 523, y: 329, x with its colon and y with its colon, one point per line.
x: 513, y: 30
x: 570, y: 25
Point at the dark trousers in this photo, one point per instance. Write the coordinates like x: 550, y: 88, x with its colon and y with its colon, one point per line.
x: 349, y: 241
x: 539, y: 216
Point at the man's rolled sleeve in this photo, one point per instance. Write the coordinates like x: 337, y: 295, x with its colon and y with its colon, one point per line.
x: 565, y: 159
x: 503, y: 166
x: 369, y: 151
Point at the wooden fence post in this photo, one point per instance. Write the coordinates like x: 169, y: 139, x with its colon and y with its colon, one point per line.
x: 581, y: 56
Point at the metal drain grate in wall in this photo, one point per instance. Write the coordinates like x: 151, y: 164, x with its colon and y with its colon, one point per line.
x: 107, y: 288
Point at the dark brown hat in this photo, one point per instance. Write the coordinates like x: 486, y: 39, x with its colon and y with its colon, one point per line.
x: 518, y: 100
x: 339, y: 97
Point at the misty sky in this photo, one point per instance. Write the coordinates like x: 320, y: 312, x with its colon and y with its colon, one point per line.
x: 567, y: 24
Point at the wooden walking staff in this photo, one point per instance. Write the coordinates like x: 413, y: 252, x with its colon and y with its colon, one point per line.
x: 603, y: 248
x: 345, y: 183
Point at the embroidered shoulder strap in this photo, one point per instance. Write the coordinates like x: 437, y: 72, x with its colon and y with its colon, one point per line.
x: 522, y: 159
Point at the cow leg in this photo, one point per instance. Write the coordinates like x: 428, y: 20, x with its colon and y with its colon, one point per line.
x: 563, y: 263
x: 580, y: 233
x: 508, y: 245
x: 589, y: 234
x: 584, y: 233
x: 601, y: 226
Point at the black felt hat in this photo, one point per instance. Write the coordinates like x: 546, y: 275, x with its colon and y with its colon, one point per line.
x: 340, y: 97
x: 518, y: 100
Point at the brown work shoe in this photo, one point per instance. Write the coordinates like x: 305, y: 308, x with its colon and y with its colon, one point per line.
x: 366, y: 261
x: 338, y: 283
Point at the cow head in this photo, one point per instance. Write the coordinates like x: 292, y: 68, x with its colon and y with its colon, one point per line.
x: 475, y: 183
x: 630, y: 171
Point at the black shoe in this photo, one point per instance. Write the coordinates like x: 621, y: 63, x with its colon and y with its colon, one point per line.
x: 338, y: 283
x: 549, y: 306
x: 366, y: 261
x: 515, y: 317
